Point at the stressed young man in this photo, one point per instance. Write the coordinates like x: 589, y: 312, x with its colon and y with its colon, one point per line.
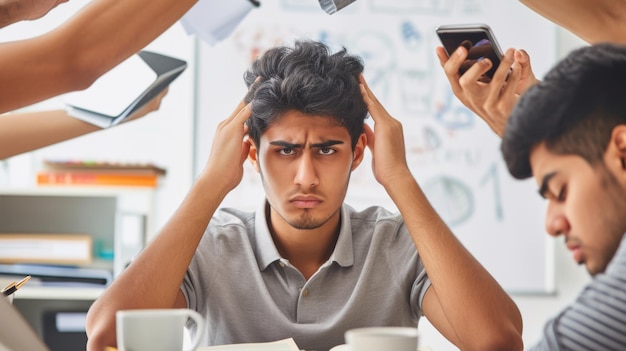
x: 305, y: 264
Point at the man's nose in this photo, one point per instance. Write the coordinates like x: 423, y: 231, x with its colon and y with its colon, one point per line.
x: 556, y: 222
x: 306, y: 173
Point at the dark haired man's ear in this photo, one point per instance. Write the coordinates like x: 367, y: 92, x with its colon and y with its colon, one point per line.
x: 615, y: 154
x: 359, y: 151
x: 253, y: 155
x: 618, y: 137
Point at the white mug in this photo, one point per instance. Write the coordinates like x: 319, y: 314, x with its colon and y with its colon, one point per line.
x: 382, y: 338
x: 156, y: 329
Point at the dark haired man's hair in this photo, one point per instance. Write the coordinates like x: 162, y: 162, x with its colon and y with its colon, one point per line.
x: 573, y: 110
x: 307, y: 78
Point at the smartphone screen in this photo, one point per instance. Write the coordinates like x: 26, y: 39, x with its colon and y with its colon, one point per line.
x: 476, y: 38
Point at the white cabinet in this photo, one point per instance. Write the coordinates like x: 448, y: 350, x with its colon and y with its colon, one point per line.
x: 117, y: 219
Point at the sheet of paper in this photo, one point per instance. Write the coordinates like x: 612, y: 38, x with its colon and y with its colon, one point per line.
x: 214, y: 20
x: 280, y: 345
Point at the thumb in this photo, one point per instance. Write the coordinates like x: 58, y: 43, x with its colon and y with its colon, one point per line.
x: 522, y: 57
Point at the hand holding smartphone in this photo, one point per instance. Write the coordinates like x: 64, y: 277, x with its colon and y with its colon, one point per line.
x: 479, y: 41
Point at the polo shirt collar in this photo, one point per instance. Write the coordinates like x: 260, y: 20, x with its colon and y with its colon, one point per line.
x: 343, y: 253
x: 266, y: 252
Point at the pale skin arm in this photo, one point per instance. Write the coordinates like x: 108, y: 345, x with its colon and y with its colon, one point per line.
x: 12, y: 11
x: 27, y: 131
x: 492, y: 101
x: 464, y: 302
x: 153, y: 279
x: 593, y: 21
x: 73, y: 55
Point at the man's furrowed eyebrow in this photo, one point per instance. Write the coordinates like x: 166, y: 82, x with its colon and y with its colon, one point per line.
x: 321, y: 145
x: 544, y: 184
x: 328, y: 143
x: 286, y: 144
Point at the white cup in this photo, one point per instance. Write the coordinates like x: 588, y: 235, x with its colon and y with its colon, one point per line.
x: 156, y: 329
x: 382, y: 338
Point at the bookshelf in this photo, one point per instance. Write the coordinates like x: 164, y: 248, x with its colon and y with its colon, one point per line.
x: 117, y: 220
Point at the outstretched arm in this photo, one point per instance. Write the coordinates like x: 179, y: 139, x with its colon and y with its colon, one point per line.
x: 594, y: 21
x: 464, y: 302
x: 153, y: 279
x: 72, y: 56
x: 27, y: 131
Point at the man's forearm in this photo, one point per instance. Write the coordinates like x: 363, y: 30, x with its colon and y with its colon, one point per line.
x: 153, y: 279
x: 471, y: 299
x: 592, y: 20
x: 23, y: 132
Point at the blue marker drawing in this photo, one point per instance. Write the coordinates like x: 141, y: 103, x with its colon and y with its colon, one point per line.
x: 454, y: 117
x: 411, y: 37
x: 451, y: 198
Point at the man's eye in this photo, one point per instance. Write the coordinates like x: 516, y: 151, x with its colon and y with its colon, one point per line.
x: 327, y: 151
x: 286, y: 151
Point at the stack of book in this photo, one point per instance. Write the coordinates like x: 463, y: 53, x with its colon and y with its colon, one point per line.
x: 90, y: 173
x: 46, y: 248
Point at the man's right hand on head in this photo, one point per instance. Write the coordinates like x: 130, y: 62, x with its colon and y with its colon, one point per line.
x: 230, y: 147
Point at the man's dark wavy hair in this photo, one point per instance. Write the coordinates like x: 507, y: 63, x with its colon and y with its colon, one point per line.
x: 573, y: 110
x: 307, y: 78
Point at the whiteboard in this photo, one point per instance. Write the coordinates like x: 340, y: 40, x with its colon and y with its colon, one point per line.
x: 454, y: 156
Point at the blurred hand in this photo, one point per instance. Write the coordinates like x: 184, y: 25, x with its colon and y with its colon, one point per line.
x: 34, y: 9
x: 151, y: 106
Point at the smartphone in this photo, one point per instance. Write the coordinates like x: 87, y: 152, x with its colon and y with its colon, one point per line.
x: 478, y: 39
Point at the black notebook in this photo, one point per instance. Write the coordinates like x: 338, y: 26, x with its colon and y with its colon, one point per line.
x: 126, y: 88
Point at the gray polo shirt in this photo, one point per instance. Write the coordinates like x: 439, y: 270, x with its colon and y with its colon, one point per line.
x: 249, y: 293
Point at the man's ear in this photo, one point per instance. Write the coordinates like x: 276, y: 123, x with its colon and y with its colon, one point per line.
x: 253, y: 156
x: 615, y: 155
x: 359, y: 151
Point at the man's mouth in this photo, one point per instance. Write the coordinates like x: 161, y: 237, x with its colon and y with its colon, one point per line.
x: 305, y: 201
